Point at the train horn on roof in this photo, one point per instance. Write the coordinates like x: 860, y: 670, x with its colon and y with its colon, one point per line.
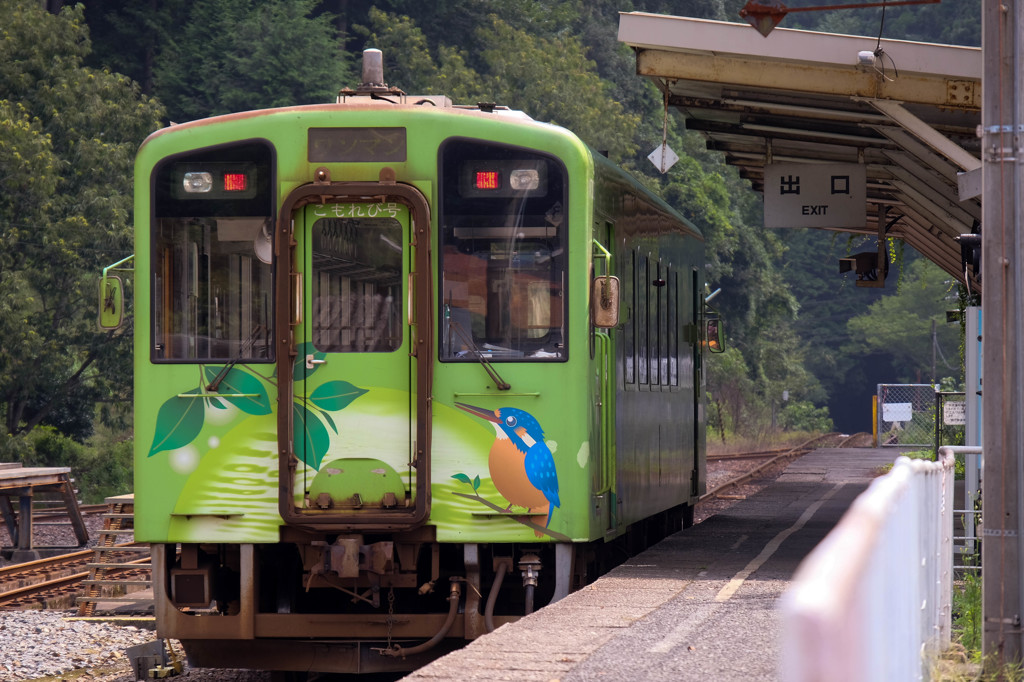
x: 373, y: 69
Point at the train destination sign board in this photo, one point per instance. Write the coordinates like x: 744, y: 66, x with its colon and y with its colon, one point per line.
x: 815, y: 195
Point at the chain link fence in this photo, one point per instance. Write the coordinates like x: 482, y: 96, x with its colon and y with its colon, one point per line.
x: 916, y: 415
x: 906, y: 415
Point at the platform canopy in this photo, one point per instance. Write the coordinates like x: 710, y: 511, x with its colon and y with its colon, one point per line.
x: 908, y: 112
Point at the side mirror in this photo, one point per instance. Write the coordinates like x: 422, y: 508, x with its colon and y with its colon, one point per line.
x: 111, y: 302
x: 713, y: 334
x: 604, y: 301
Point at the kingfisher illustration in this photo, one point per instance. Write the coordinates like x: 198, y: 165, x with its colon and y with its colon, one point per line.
x: 521, y: 464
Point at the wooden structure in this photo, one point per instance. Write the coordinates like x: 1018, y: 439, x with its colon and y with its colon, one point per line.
x: 18, y: 487
x: 102, y: 586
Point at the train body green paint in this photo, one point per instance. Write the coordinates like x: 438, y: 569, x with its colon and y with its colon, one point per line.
x: 366, y: 329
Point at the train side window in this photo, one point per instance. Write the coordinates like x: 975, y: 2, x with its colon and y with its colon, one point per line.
x: 663, y: 316
x: 673, y: 328
x: 653, y: 311
x: 662, y: 284
x: 643, y: 319
x: 629, y: 333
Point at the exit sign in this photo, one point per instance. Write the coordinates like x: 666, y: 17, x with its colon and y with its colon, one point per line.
x: 815, y: 195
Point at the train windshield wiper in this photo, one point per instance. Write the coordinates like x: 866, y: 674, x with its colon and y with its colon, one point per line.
x: 243, y: 351
x: 465, y: 337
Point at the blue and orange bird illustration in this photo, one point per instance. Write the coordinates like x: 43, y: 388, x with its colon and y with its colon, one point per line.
x: 521, y: 464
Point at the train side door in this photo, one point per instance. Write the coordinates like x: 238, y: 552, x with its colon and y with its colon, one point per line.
x: 603, y: 478
x: 699, y: 388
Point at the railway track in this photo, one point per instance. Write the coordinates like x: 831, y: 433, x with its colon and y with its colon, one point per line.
x: 772, y: 458
x: 61, y: 514
x: 56, y: 582
x: 754, y: 454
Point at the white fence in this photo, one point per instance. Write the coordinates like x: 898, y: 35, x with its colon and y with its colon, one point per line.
x: 873, y: 600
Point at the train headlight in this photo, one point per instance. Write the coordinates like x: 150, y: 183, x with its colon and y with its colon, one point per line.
x: 198, y: 182
x: 524, y: 179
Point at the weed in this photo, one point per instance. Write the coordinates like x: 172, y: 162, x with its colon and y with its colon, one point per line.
x: 963, y: 661
x: 967, y: 613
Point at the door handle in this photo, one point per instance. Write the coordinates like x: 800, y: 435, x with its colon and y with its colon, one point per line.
x: 409, y: 298
x: 311, y: 361
x: 297, y: 290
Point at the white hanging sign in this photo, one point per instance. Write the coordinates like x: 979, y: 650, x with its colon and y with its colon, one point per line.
x: 663, y: 157
x: 815, y: 195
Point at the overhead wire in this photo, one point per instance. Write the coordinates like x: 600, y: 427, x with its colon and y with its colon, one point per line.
x: 881, y: 54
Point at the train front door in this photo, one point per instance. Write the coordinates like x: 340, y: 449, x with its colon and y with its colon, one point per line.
x: 359, y: 438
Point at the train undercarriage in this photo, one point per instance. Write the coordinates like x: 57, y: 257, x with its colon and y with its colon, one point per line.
x: 368, y: 603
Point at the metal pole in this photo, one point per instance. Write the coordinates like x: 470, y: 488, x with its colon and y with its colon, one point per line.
x: 1002, y: 341
x: 972, y: 430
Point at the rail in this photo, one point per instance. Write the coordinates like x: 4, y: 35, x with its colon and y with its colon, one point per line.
x: 771, y: 457
x: 57, y: 582
x: 873, y: 600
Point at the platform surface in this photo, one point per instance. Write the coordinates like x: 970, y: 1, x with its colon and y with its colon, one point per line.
x: 16, y: 477
x: 700, y: 605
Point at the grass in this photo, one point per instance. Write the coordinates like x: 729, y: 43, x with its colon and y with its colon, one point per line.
x: 963, y: 661
x: 958, y: 464
x: 768, y: 441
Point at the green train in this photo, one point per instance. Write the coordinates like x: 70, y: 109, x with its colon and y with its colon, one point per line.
x: 403, y: 371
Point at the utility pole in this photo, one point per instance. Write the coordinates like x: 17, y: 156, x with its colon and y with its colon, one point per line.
x: 1002, y: 153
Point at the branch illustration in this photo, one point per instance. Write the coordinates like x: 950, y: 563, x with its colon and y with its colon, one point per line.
x: 518, y: 518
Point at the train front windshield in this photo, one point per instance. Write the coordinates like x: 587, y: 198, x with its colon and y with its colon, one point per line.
x: 212, y: 281
x: 503, y: 254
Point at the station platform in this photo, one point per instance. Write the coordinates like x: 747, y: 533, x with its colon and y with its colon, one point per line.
x: 699, y: 605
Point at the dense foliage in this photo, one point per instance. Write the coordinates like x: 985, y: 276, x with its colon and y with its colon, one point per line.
x: 70, y: 123
x: 68, y: 135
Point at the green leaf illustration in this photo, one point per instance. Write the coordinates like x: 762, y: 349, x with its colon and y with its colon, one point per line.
x: 240, y: 381
x: 299, y: 370
x: 178, y: 422
x: 462, y: 477
x: 476, y: 483
x: 330, y: 421
x: 335, y: 395
x: 311, y: 440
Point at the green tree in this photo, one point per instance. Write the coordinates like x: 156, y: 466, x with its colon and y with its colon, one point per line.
x: 68, y: 136
x: 554, y: 81
x: 128, y: 36
x: 827, y: 301
x: 804, y: 416
x: 551, y: 80
x: 410, y: 65
x: 747, y: 263
x: 239, y: 55
x: 953, y: 22
x: 909, y: 326
x: 729, y: 390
